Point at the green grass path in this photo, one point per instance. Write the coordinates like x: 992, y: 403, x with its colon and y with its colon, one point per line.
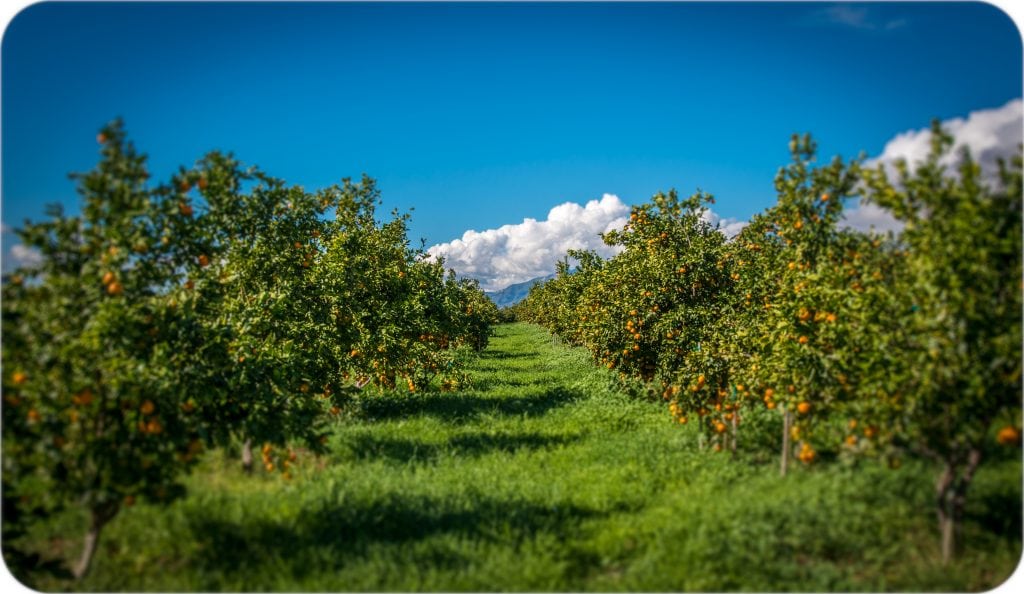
x: 543, y: 476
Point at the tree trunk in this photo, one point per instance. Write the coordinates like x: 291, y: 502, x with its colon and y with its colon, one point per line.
x: 787, y: 421
x: 951, y: 498
x: 943, y: 509
x: 98, y: 518
x: 948, y: 528
x: 735, y: 432
x: 247, y: 456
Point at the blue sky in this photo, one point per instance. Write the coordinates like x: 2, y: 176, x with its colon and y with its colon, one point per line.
x: 481, y: 115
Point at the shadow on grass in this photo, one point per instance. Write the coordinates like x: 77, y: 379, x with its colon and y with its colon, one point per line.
x: 338, y: 534
x: 997, y: 510
x: 373, y: 447
x: 461, y: 406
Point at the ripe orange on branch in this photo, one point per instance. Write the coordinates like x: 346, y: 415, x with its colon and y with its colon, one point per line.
x: 1008, y: 436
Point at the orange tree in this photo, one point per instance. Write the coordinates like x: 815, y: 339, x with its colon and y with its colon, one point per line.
x: 251, y: 279
x: 654, y: 312
x: 957, y: 377
x: 221, y: 305
x: 666, y: 297
x: 93, y: 341
x: 792, y: 335
x: 555, y: 303
x: 396, y: 315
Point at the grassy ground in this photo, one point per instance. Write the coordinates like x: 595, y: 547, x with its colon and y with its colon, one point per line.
x: 544, y: 477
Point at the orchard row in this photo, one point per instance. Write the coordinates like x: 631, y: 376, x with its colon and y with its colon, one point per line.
x: 892, y: 345
x: 221, y: 307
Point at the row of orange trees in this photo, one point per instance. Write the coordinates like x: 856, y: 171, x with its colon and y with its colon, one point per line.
x: 906, y: 343
x: 220, y: 307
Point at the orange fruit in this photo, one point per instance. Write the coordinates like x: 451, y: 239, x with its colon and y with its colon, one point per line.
x: 804, y: 407
x: 824, y: 197
x: 202, y: 183
x: 185, y: 209
x: 719, y: 427
x: 1008, y: 435
x: 108, y: 278
x: 768, y: 393
x: 82, y: 398
x: 19, y: 378
x: 802, y: 340
x: 851, y: 440
x: 147, y: 407
x: 101, y: 138
x: 204, y: 260
x: 115, y: 288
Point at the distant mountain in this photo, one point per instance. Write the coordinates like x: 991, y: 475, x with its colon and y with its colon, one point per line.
x: 513, y: 294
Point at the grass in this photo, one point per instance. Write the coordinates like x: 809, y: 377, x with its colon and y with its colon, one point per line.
x: 543, y: 476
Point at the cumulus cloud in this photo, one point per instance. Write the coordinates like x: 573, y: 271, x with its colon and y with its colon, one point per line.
x: 23, y: 256
x: 517, y: 253
x: 730, y: 227
x: 989, y: 134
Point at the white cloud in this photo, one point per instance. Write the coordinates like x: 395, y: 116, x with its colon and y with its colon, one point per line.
x: 729, y: 227
x: 856, y: 17
x: 22, y: 256
x: 988, y: 133
x: 517, y: 253
x: 867, y: 217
